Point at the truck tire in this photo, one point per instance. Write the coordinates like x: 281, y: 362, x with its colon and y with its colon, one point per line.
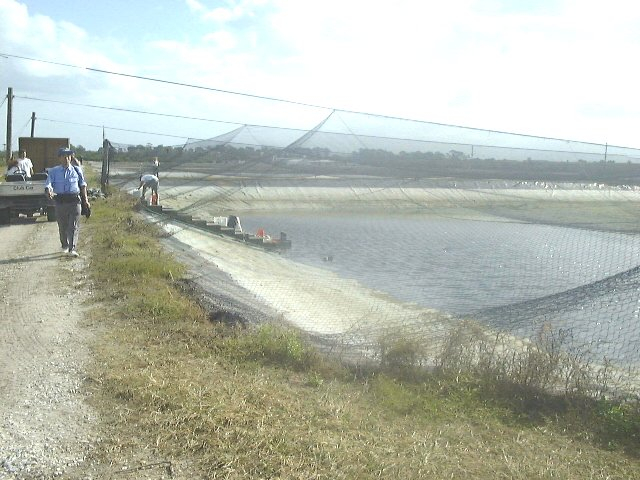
x: 5, y: 216
x: 51, y: 214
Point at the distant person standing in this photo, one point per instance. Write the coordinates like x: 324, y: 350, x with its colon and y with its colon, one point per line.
x: 67, y: 182
x: 148, y: 182
x: 24, y: 164
x: 156, y: 166
x: 77, y: 161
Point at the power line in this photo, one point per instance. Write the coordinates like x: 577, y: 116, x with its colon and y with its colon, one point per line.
x: 185, y: 117
x: 26, y: 124
x: 119, y: 129
x: 148, y: 113
x: 265, y: 126
x: 262, y: 97
x: 169, y: 82
x: 171, y: 115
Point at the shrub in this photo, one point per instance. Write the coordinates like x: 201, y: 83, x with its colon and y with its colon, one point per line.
x: 399, y: 353
x: 276, y: 345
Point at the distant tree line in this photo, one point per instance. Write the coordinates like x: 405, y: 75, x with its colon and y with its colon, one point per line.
x: 318, y: 161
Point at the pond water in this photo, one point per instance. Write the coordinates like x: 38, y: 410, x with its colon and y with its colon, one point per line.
x: 514, y: 276
x: 454, y: 265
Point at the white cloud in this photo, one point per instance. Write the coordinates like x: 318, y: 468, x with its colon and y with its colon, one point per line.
x: 195, y: 6
x: 459, y: 62
x: 222, y: 15
x: 235, y: 11
x: 224, y: 40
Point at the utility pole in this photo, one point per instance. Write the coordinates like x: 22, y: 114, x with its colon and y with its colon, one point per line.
x: 33, y: 122
x: 9, y: 117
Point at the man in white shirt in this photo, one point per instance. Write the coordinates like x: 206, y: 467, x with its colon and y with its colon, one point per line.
x: 24, y: 164
x: 150, y: 182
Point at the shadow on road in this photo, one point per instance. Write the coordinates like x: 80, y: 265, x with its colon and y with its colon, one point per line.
x: 32, y: 258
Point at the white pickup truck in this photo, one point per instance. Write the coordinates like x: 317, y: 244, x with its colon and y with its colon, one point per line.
x: 21, y: 195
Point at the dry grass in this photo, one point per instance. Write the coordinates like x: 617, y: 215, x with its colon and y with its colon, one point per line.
x: 620, y: 216
x: 216, y: 401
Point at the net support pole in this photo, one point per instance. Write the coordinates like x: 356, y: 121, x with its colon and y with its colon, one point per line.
x: 9, y: 119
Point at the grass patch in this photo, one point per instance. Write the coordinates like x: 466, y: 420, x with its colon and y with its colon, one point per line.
x: 220, y: 401
x: 614, y: 216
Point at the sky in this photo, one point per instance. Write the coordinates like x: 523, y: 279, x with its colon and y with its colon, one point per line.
x: 566, y: 69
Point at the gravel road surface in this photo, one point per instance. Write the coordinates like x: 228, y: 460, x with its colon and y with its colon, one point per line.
x: 45, y: 422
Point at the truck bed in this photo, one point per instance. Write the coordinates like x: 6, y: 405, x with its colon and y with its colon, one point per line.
x: 19, y: 195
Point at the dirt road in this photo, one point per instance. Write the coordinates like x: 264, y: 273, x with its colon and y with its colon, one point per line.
x: 47, y: 428
x: 45, y: 423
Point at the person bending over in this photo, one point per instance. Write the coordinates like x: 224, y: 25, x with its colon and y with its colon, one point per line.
x: 148, y: 182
